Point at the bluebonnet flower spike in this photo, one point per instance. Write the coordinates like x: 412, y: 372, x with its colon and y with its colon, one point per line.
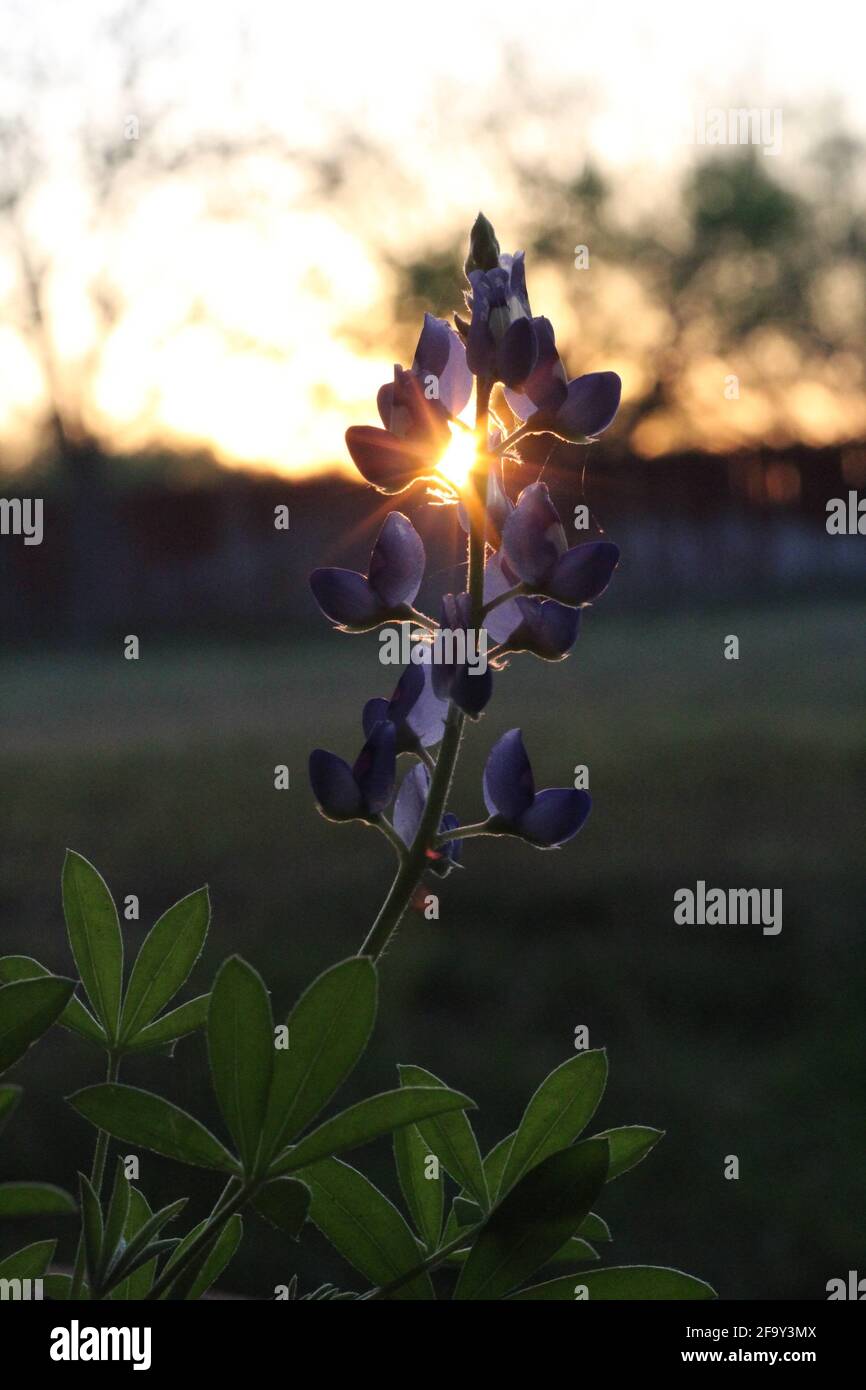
x: 547, y: 818
x: 358, y: 602
x: 360, y: 792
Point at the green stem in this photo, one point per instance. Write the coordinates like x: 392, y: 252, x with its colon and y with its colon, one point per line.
x: 411, y: 869
x: 465, y: 832
x: 426, y: 1267
x: 387, y: 829
x: 503, y: 598
x: 97, y: 1173
x: 505, y: 444
x: 478, y: 512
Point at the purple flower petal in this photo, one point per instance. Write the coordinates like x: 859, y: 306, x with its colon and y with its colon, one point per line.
x: 508, y: 784
x: 518, y: 353
x: 397, y: 562
x: 499, y: 505
x: 426, y: 718
x: 406, y: 694
x: 455, y: 382
x: 450, y: 852
x: 388, y: 463
x: 376, y: 768
x: 385, y: 402
x: 441, y: 354
x: 373, y: 713
x: 515, y: 267
x: 480, y: 346
x: 346, y: 598
x: 410, y: 803
x: 590, y: 406
x: 471, y: 689
x: 554, y: 816
x: 334, y: 786
x: 532, y: 537
x: 452, y: 849
x: 584, y: 572
x: 503, y: 620
x: 431, y: 354
x: 546, y: 386
x: 546, y: 629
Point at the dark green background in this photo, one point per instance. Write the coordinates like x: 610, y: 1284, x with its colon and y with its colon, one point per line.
x: 745, y: 774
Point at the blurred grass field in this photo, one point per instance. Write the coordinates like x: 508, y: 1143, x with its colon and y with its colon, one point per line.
x: 744, y: 774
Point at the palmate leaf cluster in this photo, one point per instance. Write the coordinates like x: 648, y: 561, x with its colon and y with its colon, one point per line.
x: 517, y: 1223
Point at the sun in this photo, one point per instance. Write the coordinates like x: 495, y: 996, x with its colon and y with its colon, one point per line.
x: 458, y: 459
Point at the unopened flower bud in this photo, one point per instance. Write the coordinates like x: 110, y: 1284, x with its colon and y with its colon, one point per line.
x: 483, y: 247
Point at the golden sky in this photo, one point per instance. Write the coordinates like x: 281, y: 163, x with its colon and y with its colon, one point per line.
x: 250, y: 296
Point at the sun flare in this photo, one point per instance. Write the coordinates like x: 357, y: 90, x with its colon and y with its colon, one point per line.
x: 459, y: 456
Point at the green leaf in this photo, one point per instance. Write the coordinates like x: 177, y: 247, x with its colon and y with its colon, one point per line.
x: 424, y: 1197
x: 57, y: 1287
x: 187, y: 1018
x: 141, y: 1118
x: 34, y: 1199
x: 629, y: 1145
x: 91, y: 1228
x: 285, y: 1203
x: 368, y: 1120
x: 27, y: 1010
x: 452, y: 1139
x: 364, y: 1227
x: 560, y: 1110
x: 94, y: 935
x: 240, y: 1035
x: 115, y: 1221
x: 167, y: 956
x: 533, y: 1220
x: 328, y: 1030
x: 467, y: 1213
x: 75, y: 1016
x: 143, y: 1227
x: 29, y: 1263
x: 10, y: 1097
x: 625, y: 1282
x: 494, y: 1164
x: 594, y: 1228
x: 136, y: 1285
x: 574, y: 1250
x: 147, y: 1258
x: 198, y: 1277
